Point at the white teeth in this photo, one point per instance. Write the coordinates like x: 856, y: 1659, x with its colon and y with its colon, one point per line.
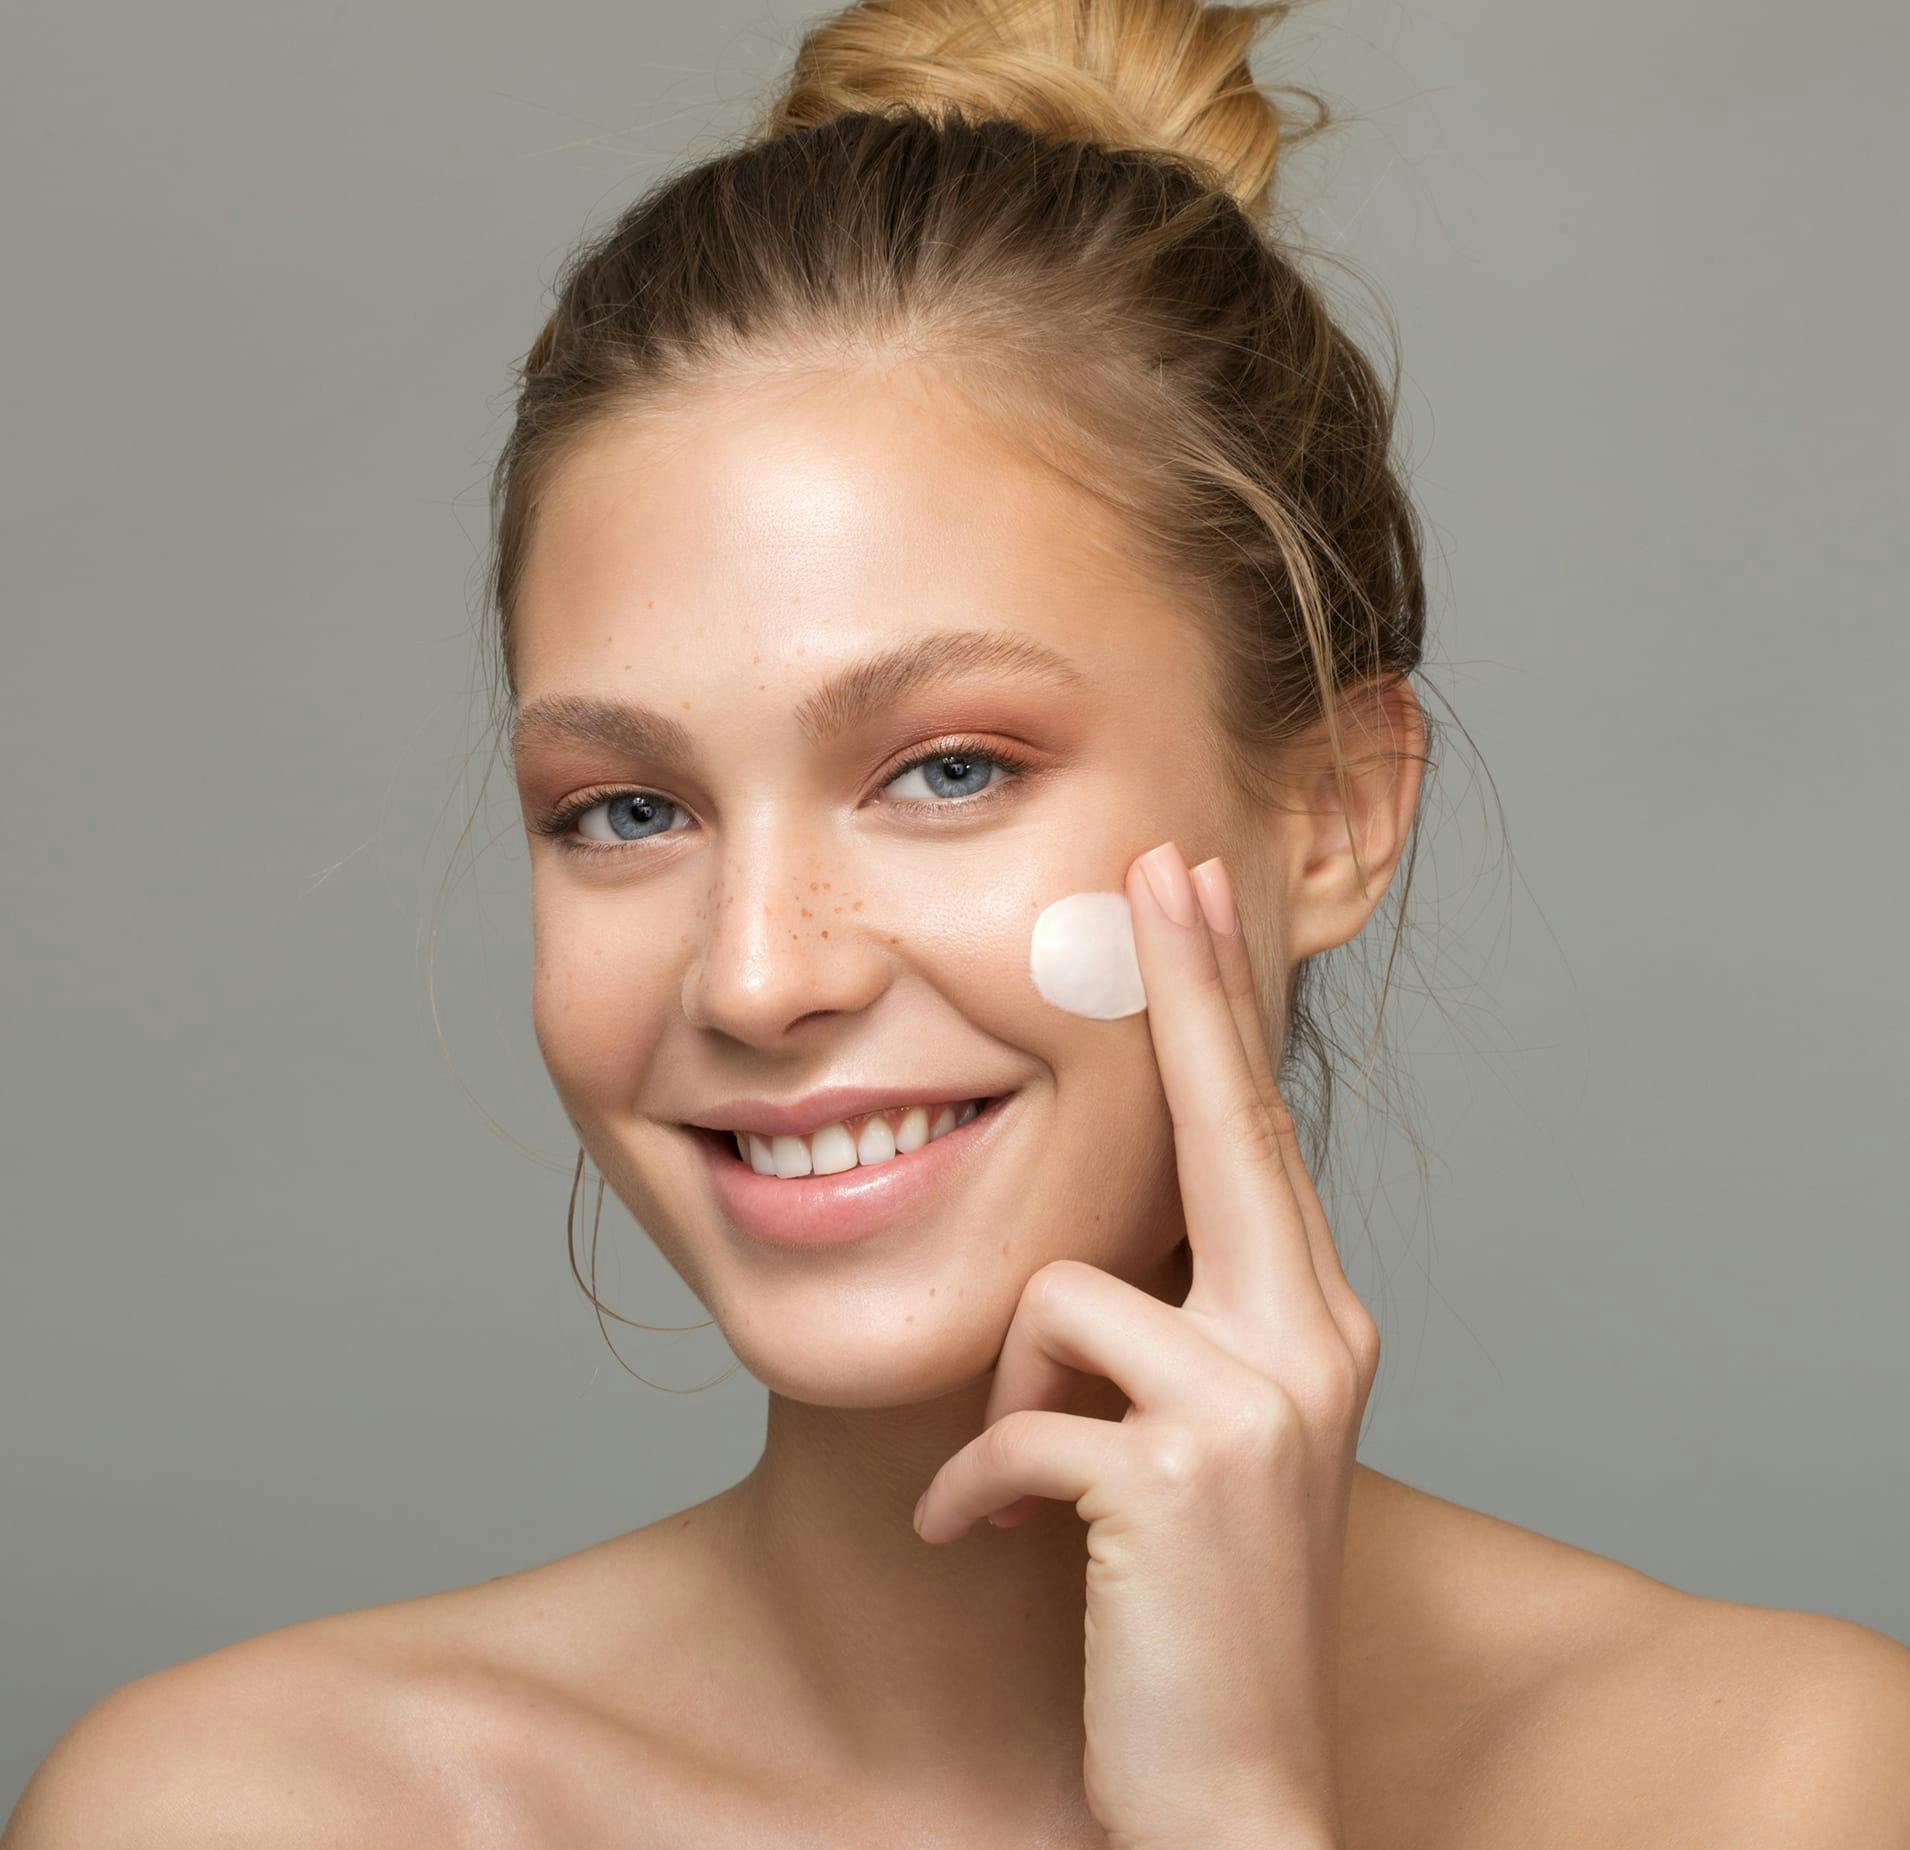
x: 877, y: 1143
x: 832, y: 1149
x: 791, y: 1154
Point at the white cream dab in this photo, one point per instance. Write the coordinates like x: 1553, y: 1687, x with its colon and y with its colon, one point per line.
x: 1082, y: 956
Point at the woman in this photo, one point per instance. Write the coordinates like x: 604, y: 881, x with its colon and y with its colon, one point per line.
x: 950, y: 503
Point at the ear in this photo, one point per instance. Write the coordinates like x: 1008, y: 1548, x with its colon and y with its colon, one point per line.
x: 1383, y: 740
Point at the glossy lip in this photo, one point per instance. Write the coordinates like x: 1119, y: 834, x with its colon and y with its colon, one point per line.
x: 804, y: 1211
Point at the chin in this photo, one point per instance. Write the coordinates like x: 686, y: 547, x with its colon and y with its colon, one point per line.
x: 868, y: 1349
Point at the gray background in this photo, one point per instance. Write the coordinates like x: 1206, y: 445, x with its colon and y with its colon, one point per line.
x: 287, y: 1325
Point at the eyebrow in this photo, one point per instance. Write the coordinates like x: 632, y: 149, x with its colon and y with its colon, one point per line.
x: 844, y: 701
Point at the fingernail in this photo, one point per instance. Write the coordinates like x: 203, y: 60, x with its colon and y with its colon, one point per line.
x: 916, y: 1519
x: 1216, y: 889
x: 1167, y: 878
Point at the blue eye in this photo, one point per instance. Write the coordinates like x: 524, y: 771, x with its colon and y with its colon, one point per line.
x: 954, y: 772
x: 631, y: 815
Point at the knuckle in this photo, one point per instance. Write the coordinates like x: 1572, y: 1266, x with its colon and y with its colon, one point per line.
x: 1052, y: 1284
x: 1331, y: 1385
x: 1364, y: 1340
x: 1001, y: 1444
x: 1172, y: 1459
x: 1270, y: 1418
x: 1250, y: 1131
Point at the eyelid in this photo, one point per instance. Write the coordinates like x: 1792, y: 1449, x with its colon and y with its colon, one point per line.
x: 557, y: 822
x: 955, y: 745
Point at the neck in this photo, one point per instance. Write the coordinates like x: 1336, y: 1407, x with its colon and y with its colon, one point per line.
x: 963, y: 1659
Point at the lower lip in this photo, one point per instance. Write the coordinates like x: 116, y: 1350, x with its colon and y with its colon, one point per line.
x: 851, y: 1205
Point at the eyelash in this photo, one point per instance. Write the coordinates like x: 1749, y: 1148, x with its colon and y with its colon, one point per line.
x: 556, y: 825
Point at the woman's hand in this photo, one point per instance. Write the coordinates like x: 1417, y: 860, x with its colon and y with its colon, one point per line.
x: 1216, y: 1507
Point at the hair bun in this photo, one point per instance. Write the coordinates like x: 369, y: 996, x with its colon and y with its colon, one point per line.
x: 1160, y: 76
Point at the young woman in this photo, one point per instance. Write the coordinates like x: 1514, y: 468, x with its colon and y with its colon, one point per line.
x: 950, y: 502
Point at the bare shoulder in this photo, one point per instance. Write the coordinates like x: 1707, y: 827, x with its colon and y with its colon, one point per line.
x: 1756, y: 1726
x: 1545, y: 1695
x: 273, y: 1740
x: 433, y: 1723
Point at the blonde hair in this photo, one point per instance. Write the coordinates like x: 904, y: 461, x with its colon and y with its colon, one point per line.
x: 1165, y: 77
x: 1065, y: 206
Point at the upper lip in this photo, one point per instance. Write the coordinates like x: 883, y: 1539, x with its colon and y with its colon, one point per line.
x: 799, y: 1116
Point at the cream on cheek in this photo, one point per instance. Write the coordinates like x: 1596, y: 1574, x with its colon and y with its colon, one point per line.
x: 1082, y: 958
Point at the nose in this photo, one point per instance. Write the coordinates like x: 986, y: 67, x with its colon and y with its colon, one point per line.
x: 780, y: 945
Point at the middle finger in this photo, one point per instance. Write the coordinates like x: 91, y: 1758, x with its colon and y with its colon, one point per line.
x: 1244, y: 1224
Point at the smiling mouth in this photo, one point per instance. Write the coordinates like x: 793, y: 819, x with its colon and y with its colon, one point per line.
x: 880, y: 1140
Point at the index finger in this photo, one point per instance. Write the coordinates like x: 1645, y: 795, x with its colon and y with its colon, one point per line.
x: 1244, y: 1222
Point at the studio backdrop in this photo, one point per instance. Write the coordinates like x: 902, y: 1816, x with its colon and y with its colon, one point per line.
x: 287, y: 1324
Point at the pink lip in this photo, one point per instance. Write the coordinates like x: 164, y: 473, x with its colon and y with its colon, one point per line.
x: 832, y: 1210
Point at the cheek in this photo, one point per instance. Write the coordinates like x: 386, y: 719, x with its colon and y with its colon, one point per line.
x: 597, y: 999
x: 963, y: 920
x: 1107, y: 1152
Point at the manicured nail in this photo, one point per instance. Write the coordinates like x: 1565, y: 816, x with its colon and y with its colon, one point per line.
x: 1167, y: 878
x: 1216, y: 889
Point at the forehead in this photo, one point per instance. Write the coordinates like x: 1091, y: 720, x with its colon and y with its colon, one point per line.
x: 814, y: 518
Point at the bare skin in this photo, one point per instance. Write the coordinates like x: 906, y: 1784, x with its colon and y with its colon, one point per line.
x: 1500, y: 1691
x: 1459, y: 1629
x: 789, y: 1662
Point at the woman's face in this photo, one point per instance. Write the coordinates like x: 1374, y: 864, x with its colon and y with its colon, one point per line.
x: 760, y: 900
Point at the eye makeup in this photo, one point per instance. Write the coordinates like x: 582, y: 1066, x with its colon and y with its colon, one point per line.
x: 556, y: 824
